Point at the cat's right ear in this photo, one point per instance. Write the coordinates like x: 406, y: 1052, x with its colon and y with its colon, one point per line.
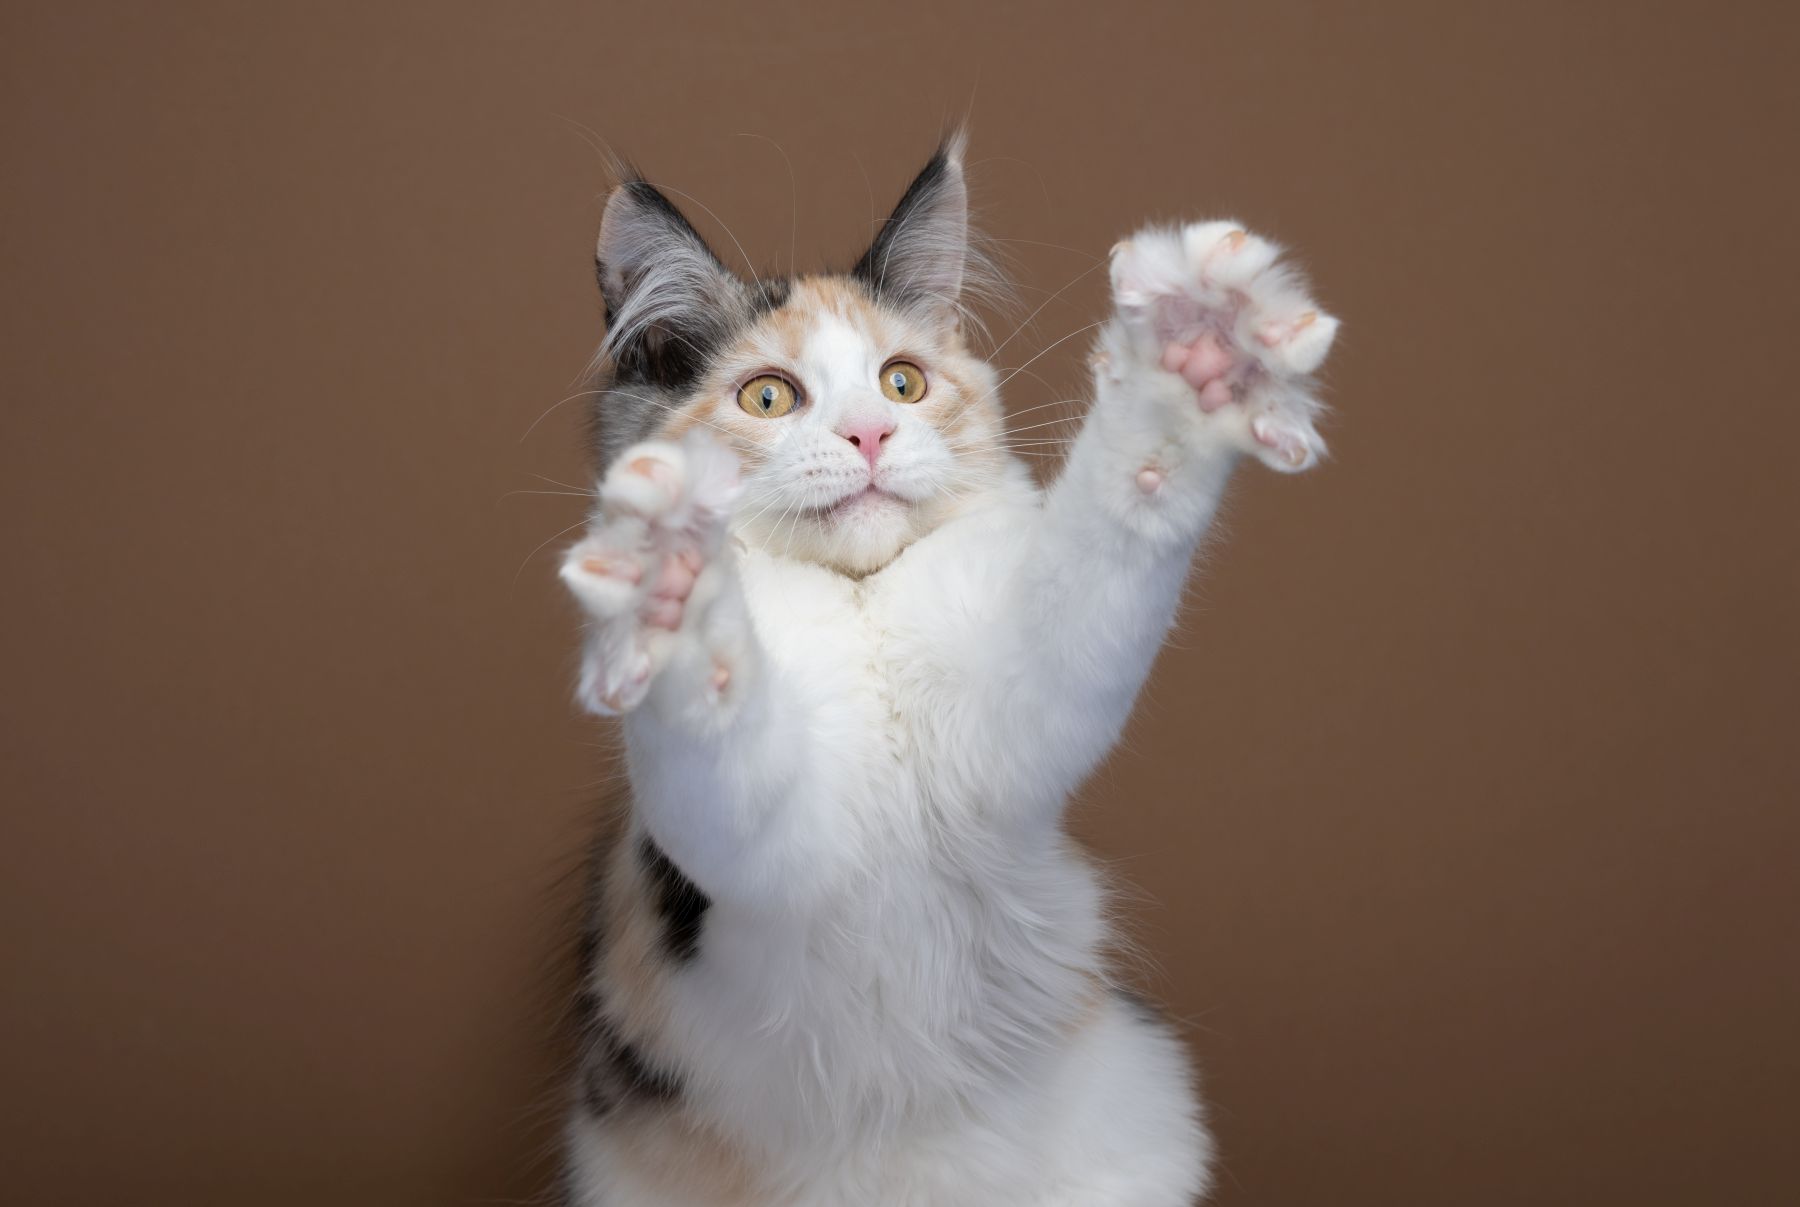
x: 666, y: 294
x: 921, y: 254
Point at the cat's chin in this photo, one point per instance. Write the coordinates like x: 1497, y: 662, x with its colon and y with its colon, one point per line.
x: 867, y: 531
x: 857, y: 535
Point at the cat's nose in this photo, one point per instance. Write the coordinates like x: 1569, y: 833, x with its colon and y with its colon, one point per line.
x: 867, y: 435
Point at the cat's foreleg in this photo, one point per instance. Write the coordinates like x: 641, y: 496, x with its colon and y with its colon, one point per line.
x: 669, y: 645
x: 1208, y: 358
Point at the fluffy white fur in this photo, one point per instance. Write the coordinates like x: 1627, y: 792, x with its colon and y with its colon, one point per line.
x: 859, y: 734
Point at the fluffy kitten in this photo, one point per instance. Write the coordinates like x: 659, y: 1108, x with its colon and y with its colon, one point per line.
x: 844, y: 953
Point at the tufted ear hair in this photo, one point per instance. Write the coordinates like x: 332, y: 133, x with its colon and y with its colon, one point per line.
x: 669, y: 300
x: 921, y: 254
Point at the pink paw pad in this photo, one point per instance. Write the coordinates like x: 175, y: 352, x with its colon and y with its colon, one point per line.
x: 1203, y: 364
x: 1149, y: 480
x: 675, y: 580
x: 663, y: 613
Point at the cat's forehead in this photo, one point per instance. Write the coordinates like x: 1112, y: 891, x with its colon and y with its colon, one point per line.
x: 825, y: 319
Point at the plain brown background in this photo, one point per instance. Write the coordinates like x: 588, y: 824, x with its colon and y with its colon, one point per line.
x: 1461, y: 812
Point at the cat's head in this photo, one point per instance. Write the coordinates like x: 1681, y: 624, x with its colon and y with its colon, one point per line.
x: 860, y: 415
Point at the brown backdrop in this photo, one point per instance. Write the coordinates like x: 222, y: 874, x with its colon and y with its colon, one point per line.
x: 1463, y: 808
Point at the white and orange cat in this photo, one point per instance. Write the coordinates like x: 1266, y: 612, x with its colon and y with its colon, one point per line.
x: 844, y: 953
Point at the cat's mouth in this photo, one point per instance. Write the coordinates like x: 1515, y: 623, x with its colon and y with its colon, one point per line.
x: 869, y: 498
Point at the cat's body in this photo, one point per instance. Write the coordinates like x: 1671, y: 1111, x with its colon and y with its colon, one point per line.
x: 843, y: 953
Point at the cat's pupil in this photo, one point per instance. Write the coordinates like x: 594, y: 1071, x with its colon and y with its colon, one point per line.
x: 899, y: 381
x: 768, y: 397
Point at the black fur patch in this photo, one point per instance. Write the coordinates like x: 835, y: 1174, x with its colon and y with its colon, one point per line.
x: 614, y: 1072
x: 679, y: 900
x: 771, y: 293
x: 669, y: 360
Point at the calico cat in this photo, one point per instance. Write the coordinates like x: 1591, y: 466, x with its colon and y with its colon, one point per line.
x: 843, y: 953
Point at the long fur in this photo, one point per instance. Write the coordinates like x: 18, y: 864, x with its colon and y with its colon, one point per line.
x: 844, y: 953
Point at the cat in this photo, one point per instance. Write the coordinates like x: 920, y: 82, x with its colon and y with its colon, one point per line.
x: 843, y: 952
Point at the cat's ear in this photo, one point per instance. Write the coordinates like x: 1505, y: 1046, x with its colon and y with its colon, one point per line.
x: 667, y: 295
x: 921, y: 255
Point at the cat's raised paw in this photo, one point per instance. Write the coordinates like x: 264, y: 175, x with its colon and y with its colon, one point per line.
x: 660, y: 522
x: 1213, y: 304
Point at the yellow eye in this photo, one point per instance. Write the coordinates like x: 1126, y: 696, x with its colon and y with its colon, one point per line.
x: 903, y: 381
x: 768, y: 396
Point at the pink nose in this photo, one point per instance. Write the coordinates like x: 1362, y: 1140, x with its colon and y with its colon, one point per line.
x: 867, y: 435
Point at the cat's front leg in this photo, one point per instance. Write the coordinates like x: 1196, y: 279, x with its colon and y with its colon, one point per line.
x: 670, y: 646
x: 1208, y: 358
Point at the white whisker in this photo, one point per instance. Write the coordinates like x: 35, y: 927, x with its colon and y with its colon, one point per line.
x: 793, y: 200
x: 561, y: 402
x: 559, y: 532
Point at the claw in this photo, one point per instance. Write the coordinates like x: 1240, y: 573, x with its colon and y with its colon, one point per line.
x: 1287, y: 444
x: 603, y: 567
x: 1281, y: 333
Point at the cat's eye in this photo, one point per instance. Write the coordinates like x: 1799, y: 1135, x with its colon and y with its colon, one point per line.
x: 768, y: 396
x: 903, y: 381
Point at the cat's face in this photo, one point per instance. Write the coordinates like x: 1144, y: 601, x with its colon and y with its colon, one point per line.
x: 860, y: 426
x: 861, y: 418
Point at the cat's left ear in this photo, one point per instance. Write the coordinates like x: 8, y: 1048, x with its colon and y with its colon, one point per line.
x: 669, y: 300
x: 921, y: 255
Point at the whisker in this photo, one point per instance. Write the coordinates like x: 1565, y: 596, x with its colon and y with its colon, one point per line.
x: 793, y: 200
x: 672, y: 407
x: 1040, y: 379
x: 553, y: 536
x: 554, y: 406
x: 1074, y: 251
x: 554, y: 482
x: 999, y: 385
x: 1040, y: 307
x: 567, y: 494
x: 1046, y: 423
x: 774, y: 498
x: 1056, y: 402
